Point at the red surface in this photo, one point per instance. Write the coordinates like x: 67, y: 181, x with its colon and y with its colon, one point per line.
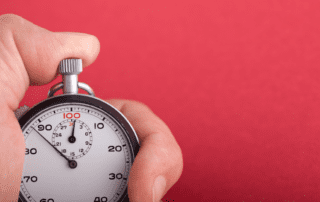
x: 236, y: 81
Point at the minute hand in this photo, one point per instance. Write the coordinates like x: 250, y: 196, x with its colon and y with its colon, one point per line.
x: 72, y: 138
x: 72, y: 163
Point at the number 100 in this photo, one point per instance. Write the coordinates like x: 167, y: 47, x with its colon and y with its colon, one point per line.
x: 71, y: 115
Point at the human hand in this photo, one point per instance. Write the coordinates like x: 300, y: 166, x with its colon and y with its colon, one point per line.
x: 29, y: 55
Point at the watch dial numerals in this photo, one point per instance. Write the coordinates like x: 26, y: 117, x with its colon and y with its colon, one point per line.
x: 98, y: 125
x: 57, y: 134
x: 83, y: 155
x: 113, y: 176
x: 71, y: 115
x: 31, y: 151
x: 100, y: 199
x: 46, y: 200
x: 47, y: 127
x: 70, y: 134
x: 117, y: 148
x: 30, y: 178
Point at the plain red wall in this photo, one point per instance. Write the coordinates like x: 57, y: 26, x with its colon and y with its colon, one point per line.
x: 237, y: 81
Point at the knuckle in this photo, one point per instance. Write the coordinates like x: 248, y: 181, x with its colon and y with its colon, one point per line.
x: 10, y: 18
x: 138, y: 103
x: 179, y: 159
x: 174, y: 163
x: 173, y: 153
x: 174, y: 156
x: 60, y: 41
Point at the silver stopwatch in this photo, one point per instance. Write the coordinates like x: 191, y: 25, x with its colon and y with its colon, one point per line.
x: 79, y: 148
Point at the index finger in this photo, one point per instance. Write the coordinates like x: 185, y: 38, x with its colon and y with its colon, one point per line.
x: 159, y: 152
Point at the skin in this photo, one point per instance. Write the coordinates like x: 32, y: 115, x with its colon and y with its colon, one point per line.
x: 29, y: 55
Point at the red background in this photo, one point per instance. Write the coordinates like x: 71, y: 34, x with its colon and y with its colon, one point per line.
x: 236, y: 81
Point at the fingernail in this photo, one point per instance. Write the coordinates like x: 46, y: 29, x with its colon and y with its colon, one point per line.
x: 159, y: 188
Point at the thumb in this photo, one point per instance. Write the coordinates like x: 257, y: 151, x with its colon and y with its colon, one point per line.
x: 29, y: 54
x: 32, y: 54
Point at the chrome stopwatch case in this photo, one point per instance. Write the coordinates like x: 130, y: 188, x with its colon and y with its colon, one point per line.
x: 79, y: 148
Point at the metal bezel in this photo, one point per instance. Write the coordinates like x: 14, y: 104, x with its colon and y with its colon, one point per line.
x: 93, y: 102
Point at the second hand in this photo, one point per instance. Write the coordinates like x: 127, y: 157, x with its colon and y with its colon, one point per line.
x: 72, y: 163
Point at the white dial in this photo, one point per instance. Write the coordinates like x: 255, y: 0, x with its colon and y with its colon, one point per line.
x: 86, y: 134
x: 79, y: 135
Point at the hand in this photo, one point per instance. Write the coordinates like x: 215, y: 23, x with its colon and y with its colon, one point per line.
x: 71, y: 163
x: 72, y: 138
x: 29, y: 55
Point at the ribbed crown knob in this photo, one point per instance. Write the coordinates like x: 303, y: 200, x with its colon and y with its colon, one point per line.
x: 70, y: 66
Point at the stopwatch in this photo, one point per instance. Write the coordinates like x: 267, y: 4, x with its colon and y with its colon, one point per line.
x: 78, y: 147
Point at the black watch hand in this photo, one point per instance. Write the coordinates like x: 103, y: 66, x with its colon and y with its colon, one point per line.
x: 72, y: 138
x: 72, y: 163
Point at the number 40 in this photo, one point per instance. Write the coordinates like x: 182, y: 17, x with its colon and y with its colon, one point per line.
x: 100, y: 199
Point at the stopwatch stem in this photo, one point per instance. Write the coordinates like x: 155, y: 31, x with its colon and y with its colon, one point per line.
x: 72, y: 163
x: 70, y: 68
x: 70, y: 84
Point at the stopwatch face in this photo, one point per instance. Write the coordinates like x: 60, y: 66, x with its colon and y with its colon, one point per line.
x: 78, y: 148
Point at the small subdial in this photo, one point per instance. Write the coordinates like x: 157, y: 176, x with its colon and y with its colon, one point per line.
x: 73, y: 138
